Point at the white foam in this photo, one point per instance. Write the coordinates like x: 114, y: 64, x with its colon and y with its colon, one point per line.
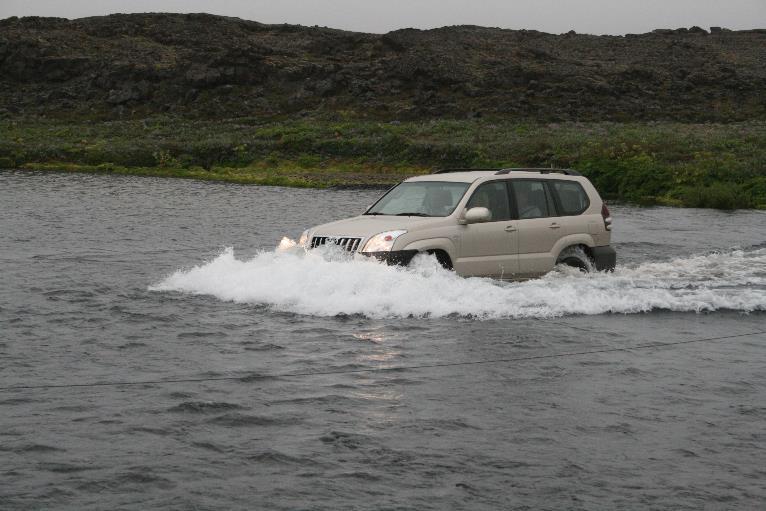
x: 327, y: 283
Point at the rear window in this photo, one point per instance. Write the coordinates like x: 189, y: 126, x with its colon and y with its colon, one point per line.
x: 572, y: 197
x: 532, y: 199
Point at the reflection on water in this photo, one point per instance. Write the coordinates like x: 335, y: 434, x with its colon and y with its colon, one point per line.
x: 376, y: 337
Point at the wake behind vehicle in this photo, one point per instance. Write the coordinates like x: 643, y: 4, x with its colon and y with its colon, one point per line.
x: 503, y: 223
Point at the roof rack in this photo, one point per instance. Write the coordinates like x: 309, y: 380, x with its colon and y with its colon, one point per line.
x: 567, y: 172
x: 502, y: 172
x: 447, y: 171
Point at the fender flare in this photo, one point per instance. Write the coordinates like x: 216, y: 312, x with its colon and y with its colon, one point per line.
x: 571, y: 240
x: 424, y: 245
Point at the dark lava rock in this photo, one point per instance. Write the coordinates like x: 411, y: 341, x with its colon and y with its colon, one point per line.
x: 201, y: 65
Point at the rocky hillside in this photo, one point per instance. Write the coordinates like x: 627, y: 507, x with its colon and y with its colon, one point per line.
x: 207, y: 66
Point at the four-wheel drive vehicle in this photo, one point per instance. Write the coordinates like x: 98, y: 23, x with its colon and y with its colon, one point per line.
x: 503, y: 223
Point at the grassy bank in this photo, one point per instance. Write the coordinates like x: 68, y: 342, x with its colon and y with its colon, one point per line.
x: 710, y: 165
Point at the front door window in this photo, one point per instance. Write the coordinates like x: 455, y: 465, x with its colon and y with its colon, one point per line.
x: 494, y: 197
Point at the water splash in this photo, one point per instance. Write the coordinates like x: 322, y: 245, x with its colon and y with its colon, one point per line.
x: 328, y: 283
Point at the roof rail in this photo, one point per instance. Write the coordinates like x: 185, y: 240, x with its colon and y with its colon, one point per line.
x: 501, y: 172
x: 447, y: 171
x: 567, y: 172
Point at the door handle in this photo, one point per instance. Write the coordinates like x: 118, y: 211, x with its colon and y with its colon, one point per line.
x: 554, y: 225
x: 510, y: 228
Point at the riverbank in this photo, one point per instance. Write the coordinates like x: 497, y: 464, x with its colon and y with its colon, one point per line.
x: 693, y: 165
x: 282, y: 174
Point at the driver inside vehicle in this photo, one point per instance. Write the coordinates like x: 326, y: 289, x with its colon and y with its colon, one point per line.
x: 438, y: 202
x: 481, y: 200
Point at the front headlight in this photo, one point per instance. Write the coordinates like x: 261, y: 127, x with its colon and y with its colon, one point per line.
x: 303, y: 241
x: 382, y: 242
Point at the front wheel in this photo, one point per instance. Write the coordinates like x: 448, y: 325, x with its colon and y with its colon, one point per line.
x: 576, y: 257
x: 442, y: 257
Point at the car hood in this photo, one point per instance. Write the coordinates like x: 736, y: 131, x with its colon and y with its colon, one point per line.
x: 365, y: 226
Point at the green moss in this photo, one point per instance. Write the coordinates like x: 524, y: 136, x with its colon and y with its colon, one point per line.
x: 718, y: 196
x: 711, y: 165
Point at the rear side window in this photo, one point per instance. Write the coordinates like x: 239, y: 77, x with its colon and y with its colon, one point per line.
x: 494, y: 197
x: 532, y: 199
x: 572, y: 197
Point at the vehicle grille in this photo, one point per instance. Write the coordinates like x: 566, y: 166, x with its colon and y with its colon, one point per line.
x: 349, y: 244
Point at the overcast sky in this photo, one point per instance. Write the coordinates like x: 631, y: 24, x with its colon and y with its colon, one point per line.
x: 556, y: 16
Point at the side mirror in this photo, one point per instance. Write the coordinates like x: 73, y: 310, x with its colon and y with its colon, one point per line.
x: 477, y: 216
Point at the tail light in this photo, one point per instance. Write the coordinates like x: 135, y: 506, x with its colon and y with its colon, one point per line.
x: 607, y: 217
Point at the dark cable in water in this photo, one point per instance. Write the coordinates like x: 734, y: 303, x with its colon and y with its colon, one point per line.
x: 374, y: 369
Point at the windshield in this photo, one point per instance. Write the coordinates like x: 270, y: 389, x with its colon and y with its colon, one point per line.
x: 420, y: 198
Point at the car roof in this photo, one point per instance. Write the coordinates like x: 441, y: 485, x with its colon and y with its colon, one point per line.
x: 469, y: 176
x: 456, y: 177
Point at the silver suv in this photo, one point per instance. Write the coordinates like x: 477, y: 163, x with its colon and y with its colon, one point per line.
x: 502, y: 223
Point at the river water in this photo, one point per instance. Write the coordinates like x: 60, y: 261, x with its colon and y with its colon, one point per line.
x: 158, y: 352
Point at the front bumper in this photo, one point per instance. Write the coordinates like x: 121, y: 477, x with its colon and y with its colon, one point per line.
x: 605, y: 258
x: 397, y: 257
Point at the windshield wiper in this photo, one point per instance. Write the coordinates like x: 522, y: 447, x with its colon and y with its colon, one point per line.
x: 374, y: 214
x: 412, y: 214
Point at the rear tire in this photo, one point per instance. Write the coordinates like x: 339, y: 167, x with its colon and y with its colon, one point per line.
x: 576, y: 257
